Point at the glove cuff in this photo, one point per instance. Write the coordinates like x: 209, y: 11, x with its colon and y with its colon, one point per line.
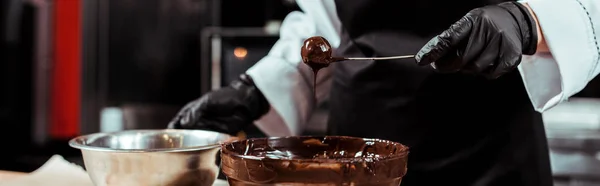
x: 527, y: 26
x: 529, y: 47
x: 259, y: 105
x: 246, y: 79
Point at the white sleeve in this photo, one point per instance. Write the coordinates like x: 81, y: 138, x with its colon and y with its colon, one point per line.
x: 570, y: 28
x: 281, y: 76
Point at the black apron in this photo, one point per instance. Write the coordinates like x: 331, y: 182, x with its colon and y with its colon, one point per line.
x: 462, y: 130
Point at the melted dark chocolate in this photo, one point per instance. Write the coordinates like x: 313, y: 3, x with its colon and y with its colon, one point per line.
x: 331, y: 160
x: 316, y: 53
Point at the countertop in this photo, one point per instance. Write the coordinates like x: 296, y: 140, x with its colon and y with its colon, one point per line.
x: 55, y: 172
x: 10, y: 175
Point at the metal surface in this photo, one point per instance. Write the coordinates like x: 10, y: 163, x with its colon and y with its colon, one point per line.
x: 572, y: 129
x: 41, y: 70
x: 151, y: 157
x: 575, y: 166
x: 380, y: 58
x: 147, y: 116
x: 215, y: 63
x: 576, y: 140
x: 167, y: 140
x: 94, y: 84
x: 112, y: 26
x: 211, y: 53
x: 575, y: 114
x: 573, y: 156
x: 91, y: 94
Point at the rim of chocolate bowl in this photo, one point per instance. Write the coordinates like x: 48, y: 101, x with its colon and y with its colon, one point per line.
x: 402, y: 151
x: 86, y: 142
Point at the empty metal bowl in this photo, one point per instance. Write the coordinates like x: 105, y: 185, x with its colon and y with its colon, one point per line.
x: 151, y: 157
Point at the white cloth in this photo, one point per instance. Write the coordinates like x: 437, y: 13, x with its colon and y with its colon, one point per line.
x: 570, y: 27
x: 55, y: 172
x: 282, y: 77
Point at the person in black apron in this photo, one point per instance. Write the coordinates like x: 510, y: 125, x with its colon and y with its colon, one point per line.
x: 462, y: 129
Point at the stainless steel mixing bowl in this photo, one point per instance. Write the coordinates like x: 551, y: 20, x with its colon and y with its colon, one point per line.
x: 151, y: 157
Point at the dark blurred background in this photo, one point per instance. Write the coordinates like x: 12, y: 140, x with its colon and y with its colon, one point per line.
x: 67, y: 66
x: 73, y: 67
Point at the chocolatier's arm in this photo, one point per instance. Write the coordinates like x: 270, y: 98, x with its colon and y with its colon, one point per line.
x: 281, y: 76
x: 568, y: 54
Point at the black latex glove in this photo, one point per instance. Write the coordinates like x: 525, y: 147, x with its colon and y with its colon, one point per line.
x: 488, y: 41
x: 227, y: 110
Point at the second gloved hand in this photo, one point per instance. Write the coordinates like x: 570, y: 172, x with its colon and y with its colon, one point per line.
x: 488, y: 41
x: 227, y: 110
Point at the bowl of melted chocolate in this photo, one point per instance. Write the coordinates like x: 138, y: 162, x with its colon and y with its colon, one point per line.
x: 329, y: 160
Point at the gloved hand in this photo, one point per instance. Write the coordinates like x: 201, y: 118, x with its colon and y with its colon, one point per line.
x: 227, y: 110
x: 488, y: 41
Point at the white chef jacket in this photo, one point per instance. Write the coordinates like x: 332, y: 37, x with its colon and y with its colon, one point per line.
x: 571, y: 29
